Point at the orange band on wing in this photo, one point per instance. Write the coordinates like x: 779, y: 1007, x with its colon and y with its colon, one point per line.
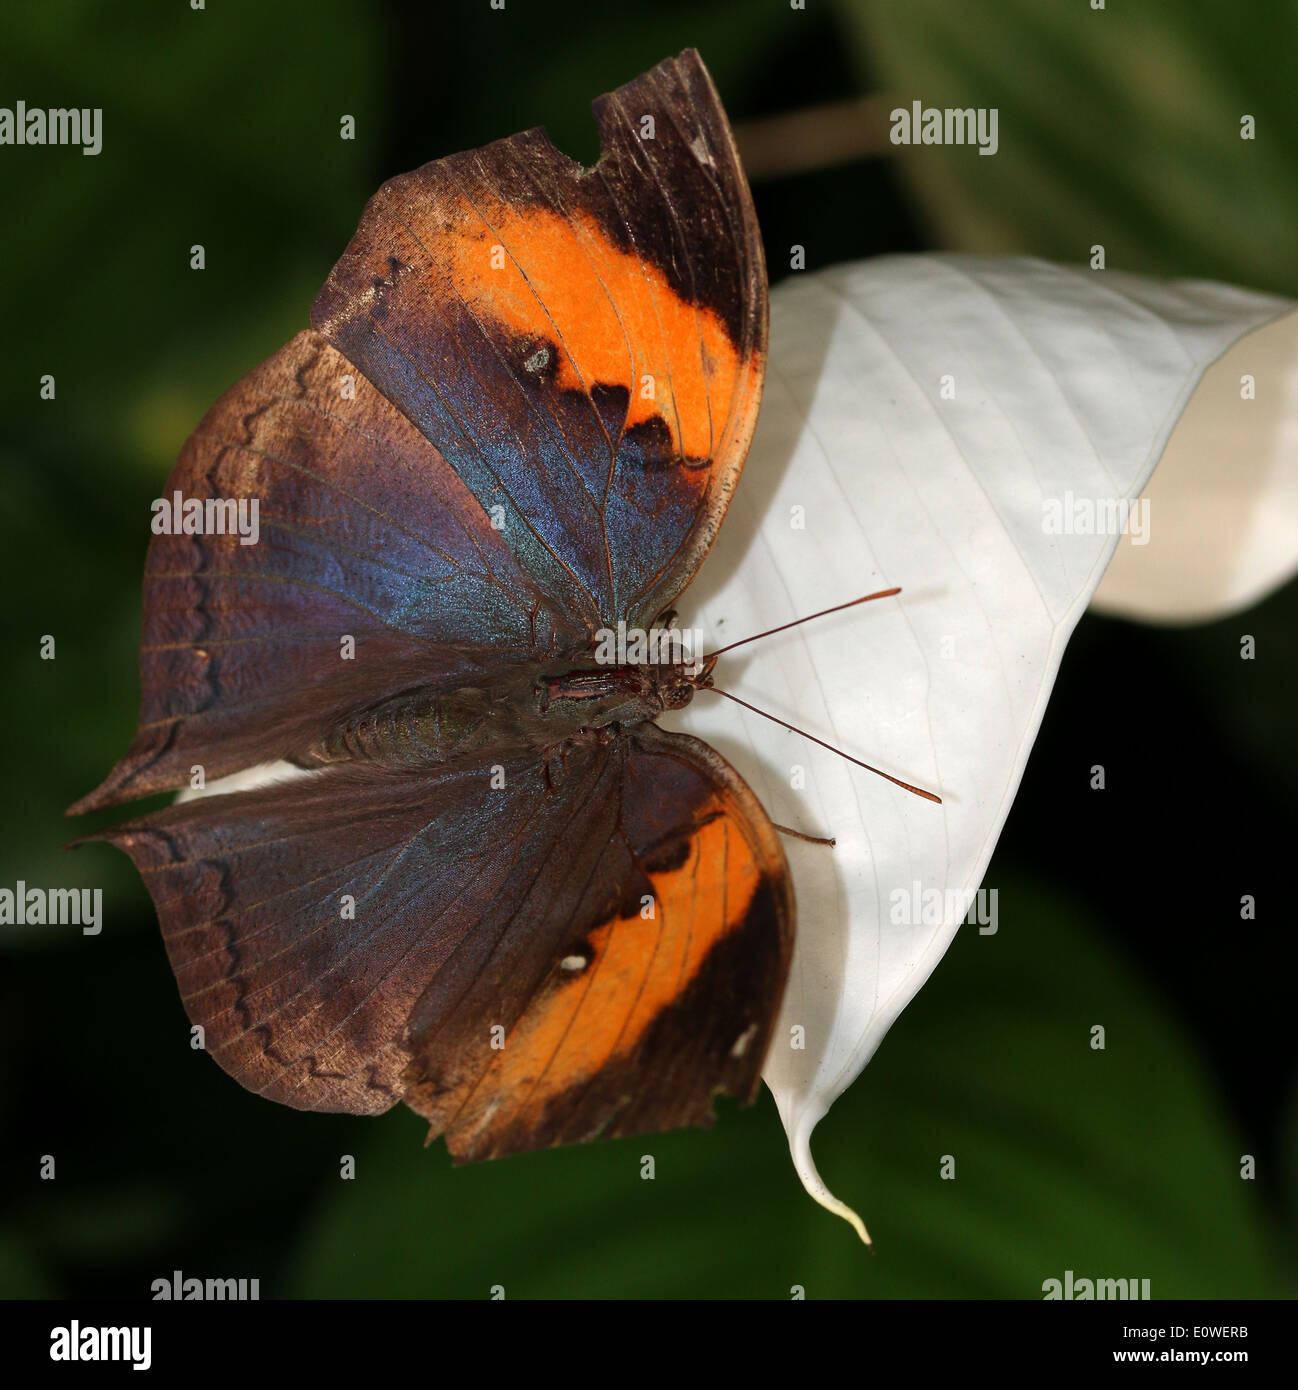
x: 635, y: 968
x: 613, y: 315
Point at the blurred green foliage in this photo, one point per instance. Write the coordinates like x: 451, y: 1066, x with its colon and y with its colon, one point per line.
x: 221, y: 128
x: 1119, y: 126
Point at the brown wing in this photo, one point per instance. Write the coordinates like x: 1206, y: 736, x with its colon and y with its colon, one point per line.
x: 586, y: 346
x: 351, y: 939
x: 304, y: 920
x: 364, y: 531
x: 643, y: 979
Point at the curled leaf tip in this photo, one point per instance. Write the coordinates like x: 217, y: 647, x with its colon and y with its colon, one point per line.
x: 816, y: 1189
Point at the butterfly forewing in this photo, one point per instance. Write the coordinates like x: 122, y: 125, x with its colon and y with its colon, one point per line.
x: 374, y: 570
x: 586, y: 345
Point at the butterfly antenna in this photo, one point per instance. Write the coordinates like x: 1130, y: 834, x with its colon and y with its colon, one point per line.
x: 896, y: 781
x: 824, y: 612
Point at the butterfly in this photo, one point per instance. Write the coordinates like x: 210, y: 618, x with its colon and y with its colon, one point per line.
x: 499, y: 892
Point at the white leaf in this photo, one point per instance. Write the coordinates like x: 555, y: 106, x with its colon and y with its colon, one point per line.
x: 1066, y: 384
x: 1224, y: 496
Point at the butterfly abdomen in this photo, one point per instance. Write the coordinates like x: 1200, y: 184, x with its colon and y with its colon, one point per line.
x: 433, y: 727
x: 422, y: 727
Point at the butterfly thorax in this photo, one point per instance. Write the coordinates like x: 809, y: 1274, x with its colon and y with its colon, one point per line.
x: 524, y: 710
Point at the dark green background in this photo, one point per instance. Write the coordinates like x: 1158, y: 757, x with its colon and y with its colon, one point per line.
x: 221, y: 127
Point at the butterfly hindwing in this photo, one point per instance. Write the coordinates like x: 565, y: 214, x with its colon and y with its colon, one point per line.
x: 304, y: 920
x: 587, y: 346
x: 530, y: 958
x: 646, y: 985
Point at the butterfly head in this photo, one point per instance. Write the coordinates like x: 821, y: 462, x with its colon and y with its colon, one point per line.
x: 674, y: 684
